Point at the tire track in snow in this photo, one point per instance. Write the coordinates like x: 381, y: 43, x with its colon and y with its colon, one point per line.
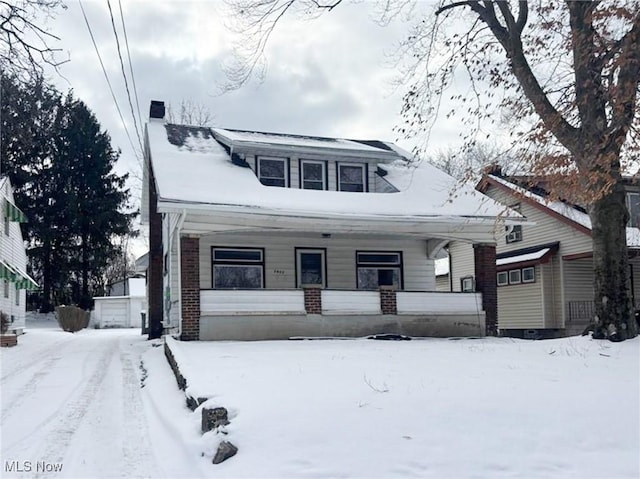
x: 10, y: 403
x: 55, y: 432
x: 137, y: 452
x: 31, y: 361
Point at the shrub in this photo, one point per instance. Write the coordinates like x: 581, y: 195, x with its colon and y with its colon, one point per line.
x: 72, y: 318
x: 4, y: 322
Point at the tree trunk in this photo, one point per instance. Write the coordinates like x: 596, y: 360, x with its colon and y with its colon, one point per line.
x: 46, y: 305
x: 614, y: 319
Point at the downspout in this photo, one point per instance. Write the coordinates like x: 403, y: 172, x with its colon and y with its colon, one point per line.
x: 183, y: 215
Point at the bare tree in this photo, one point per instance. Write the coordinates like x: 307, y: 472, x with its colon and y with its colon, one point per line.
x: 563, y: 75
x: 25, y: 46
x: 190, y: 113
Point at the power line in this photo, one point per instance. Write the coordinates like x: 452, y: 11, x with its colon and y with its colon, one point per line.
x: 124, y: 75
x: 133, y: 78
x: 107, y: 78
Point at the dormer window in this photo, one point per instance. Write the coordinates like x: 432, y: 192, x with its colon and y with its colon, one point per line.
x: 351, y: 177
x: 273, y: 171
x: 313, y: 175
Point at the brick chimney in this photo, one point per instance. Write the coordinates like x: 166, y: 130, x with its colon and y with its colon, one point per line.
x: 156, y: 110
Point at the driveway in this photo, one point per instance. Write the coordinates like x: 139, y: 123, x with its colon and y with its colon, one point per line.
x: 72, y: 406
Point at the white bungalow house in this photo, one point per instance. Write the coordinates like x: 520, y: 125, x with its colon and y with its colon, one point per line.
x: 14, y: 279
x: 271, y: 236
x: 544, y: 271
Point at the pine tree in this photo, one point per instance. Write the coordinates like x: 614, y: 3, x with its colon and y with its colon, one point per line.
x: 94, y: 194
x: 61, y: 165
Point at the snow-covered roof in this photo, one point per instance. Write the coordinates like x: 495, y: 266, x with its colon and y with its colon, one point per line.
x: 566, y: 210
x: 197, y: 171
x: 309, y: 142
x: 521, y: 258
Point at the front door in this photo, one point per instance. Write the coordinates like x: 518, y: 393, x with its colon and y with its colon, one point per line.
x: 310, y: 267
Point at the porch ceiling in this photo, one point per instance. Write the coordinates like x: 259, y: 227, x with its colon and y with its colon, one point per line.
x: 200, y: 222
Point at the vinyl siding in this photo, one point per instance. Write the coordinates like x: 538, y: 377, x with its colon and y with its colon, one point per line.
x: 520, y: 305
x: 442, y: 283
x: 552, y: 299
x: 280, y: 265
x: 462, y: 263
x: 12, y: 251
x: 546, y: 229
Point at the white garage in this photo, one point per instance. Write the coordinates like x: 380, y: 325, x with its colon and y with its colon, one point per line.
x: 119, y: 311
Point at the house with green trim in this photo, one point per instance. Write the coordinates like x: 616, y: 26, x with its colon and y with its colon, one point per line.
x: 14, y: 280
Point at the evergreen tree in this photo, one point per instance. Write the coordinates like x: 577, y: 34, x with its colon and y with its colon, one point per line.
x: 94, y: 195
x: 61, y: 165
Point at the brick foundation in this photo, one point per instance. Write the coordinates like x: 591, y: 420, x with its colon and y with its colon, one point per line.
x: 8, y: 340
x: 190, y: 283
x: 388, y: 303
x: 485, y: 273
x: 312, y: 299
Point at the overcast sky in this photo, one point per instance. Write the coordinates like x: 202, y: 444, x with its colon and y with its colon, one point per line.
x: 326, y: 77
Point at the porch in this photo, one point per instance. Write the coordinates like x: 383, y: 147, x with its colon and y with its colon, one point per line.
x: 312, y: 311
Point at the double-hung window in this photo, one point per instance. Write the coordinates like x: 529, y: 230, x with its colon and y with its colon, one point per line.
x: 351, y: 177
x: 375, y: 269
x: 238, y: 268
x: 273, y: 171
x: 313, y: 175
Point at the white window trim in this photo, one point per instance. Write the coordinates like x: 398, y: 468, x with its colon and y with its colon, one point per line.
x: 533, y: 279
x: 285, y: 161
x: 323, y: 164
x: 463, y: 281
x: 506, y: 278
x: 519, y: 276
x: 362, y: 167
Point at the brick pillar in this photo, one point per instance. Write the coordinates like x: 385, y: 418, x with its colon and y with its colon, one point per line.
x: 190, y: 285
x: 388, y: 303
x: 154, y: 272
x: 312, y: 299
x: 484, y: 256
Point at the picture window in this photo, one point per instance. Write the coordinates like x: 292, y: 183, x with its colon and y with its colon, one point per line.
x: 375, y: 269
x: 238, y: 268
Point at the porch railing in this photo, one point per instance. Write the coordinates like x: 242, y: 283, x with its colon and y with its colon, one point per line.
x: 252, y: 301
x: 410, y: 302
x: 583, y: 311
x: 337, y: 302
x: 350, y: 302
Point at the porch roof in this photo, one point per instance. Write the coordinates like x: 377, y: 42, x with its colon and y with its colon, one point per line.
x: 200, y: 179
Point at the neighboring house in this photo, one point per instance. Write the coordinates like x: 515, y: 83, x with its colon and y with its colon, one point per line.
x: 123, y: 307
x: 544, y: 271
x: 14, y: 280
x: 267, y: 236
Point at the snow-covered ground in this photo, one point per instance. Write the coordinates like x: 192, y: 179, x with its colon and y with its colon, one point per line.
x: 483, y: 408
x: 438, y: 408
